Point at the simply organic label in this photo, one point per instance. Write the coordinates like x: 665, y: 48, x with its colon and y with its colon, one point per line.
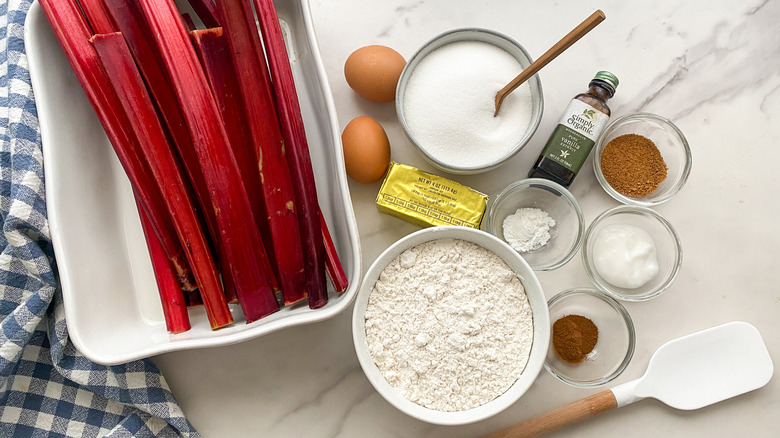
x: 575, y: 135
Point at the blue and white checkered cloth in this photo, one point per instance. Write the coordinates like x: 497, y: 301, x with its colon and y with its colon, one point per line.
x: 47, y: 388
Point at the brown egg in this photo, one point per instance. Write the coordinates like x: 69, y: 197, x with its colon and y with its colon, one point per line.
x: 366, y: 150
x: 373, y: 72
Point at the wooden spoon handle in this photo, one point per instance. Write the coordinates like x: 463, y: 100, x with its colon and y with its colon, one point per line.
x: 566, y: 42
x: 568, y: 414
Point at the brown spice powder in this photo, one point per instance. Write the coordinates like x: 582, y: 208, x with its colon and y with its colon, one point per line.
x: 574, y: 337
x: 633, y: 165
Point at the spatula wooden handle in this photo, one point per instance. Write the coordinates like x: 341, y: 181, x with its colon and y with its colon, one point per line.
x: 571, y: 413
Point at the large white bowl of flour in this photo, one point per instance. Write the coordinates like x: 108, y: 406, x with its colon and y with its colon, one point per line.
x: 445, y: 100
x: 450, y: 325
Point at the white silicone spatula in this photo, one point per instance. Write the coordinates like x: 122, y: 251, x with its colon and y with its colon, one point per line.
x: 687, y: 373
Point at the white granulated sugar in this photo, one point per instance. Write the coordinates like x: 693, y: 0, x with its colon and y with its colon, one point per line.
x: 450, y: 100
x: 449, y: 325
x: 528, y: 229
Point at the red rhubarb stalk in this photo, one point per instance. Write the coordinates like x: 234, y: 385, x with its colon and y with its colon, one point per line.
x: 188, y: 22
x: 214, y: 53
x: 192, y: 298
x: 128, y: 16
x: 257, y: 96
x: 333, y: 264
x: 124, y: 76
x: 73, y: 34
x: 129, y: 19
x: 240, y: 237
x: 206, y: 11
x: 297, y: 153
x: 97, y: 16
x: 174, y: 304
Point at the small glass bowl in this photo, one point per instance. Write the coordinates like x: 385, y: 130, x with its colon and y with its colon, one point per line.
x: 559, y: 203
x: 667, y: 243
x: 670, y: 142
x: 616, y: 338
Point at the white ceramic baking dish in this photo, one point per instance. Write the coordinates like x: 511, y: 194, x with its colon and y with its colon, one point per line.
x: 111, y: 300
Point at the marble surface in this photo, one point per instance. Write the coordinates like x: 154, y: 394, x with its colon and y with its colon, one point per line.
x: 711, y: 67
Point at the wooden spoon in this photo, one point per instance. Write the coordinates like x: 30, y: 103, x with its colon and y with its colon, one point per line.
x: 566, y: 42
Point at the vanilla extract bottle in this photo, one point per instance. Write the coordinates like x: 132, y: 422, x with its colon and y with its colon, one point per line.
x: 575, y: 135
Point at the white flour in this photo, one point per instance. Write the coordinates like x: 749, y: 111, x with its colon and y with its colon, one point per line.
x: 450, y: 100
x: 528, y: 229
x: 449, y: 325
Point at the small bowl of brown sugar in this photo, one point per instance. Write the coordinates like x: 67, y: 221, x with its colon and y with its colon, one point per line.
x: 642, y: 159
x: 592, y: 338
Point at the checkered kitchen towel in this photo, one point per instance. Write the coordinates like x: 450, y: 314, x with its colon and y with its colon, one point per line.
x: 48, y: 389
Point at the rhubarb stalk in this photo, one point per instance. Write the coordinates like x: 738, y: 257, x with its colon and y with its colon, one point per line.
x: 206, y: 11
x: 333, y: 264
x: 214, y: 54
x: 124, y: 76
x: 257, y: 96
x: 242, y: 243
x: 297, y: 154
x: 97, y: 16
x: 188, y: 22
x: 73, y: 34
x: 129, y: 19
x: 174, y: 304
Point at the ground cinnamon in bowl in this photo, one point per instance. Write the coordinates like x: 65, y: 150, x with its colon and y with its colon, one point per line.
x: 574, y: 337
x: 633, y: 165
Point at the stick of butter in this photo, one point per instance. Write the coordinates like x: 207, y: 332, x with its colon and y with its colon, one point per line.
x: 428, y: 200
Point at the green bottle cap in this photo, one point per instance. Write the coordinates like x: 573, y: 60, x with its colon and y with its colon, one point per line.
x: 607, y: 77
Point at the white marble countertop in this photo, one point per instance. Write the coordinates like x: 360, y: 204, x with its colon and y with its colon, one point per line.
x: 711, y: 67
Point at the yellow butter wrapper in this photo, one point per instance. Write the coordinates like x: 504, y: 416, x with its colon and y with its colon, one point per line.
x: 428, y: 200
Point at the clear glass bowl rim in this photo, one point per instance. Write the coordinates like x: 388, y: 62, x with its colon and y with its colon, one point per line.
x: 638, y: 201
x: 594, y: 277
x: 629, y: 327
x: 527, y: 182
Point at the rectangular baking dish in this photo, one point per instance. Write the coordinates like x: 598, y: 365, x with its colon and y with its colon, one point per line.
x: 111, y: 301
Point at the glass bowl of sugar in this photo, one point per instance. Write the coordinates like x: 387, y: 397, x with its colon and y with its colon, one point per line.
x: 539, y: 219
x: 445, y: 100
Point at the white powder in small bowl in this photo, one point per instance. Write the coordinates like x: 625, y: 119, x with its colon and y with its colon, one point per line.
x: 449, y: 103
x: 449, y: 325
x: 527, y: 229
